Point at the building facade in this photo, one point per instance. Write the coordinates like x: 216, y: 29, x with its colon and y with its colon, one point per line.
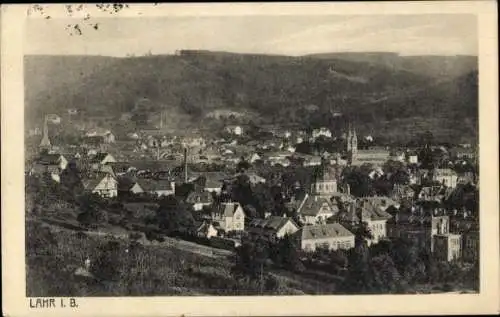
x: 230, y: 216
x: 332, y: 236
x: 470, y: 246
x: 447, y: 247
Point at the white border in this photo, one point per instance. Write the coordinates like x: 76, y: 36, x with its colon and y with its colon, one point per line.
x: 13, y: 269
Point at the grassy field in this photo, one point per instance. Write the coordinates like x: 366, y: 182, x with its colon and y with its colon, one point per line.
x: 144, y: 270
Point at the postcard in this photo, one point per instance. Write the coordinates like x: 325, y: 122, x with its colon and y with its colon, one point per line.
x: 250, y: 159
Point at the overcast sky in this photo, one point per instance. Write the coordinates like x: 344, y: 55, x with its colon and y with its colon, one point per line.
x: 289, y: 35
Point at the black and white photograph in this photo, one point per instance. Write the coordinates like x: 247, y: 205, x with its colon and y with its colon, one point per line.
x: 250, y: 155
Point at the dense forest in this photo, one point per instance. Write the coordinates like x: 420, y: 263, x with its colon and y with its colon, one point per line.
x: 306, y: 91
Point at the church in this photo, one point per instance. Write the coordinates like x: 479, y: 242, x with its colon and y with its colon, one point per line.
x: 356, y: 157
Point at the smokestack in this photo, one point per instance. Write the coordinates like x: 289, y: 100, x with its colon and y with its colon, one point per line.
x: 185, y: 165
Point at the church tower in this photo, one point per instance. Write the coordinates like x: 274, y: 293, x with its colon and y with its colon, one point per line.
x: 352, y: 143
x: 349, y: 138
x: 45, y: 143
x: 325, y: 181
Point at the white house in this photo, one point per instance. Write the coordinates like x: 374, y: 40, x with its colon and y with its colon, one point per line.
x: 230, y: 216
x: 54, y: 159
x: 412, y: 158
x: 106, y: 135
x: 398, y: 156
x: 331, y: 236
x: 101, y: 159
x: 315, y: 210
x: 106, y: 186
x: 158, y: 187
x: 128, y: 186
x: 272, y: 227
x: 373, y: 215
x: 445, y: 176
x: 206, y: 230
x: 234, y: 129
x: 321, y: 132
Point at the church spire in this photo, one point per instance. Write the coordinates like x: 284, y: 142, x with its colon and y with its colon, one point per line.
x: 352, y: 143
x: 349, y: 137
x: 45, y: 143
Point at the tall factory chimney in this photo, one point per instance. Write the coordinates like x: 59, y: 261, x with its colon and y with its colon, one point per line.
x: 185, y: 165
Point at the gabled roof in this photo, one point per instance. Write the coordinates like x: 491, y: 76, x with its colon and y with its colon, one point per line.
x: 311, y: 205
x: 432, y: 191
x: 228, y: 208
x: 444, y: 172
x: 120, y: 167
x: 273, y: 222
x: 106, y: 169
x: 151, y: 185
x: 126, y: 183
x: 99, y: 157
x: 203, y: 226
x: 199, y: 197
x: 332, y: 230
x: 364, y: 209
x: 381, y: 201
x: 371, y: 210
x: 91, y: 183
x: 49, y: 159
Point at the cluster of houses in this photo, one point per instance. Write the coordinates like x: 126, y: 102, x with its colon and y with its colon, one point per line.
x: 326, y: 214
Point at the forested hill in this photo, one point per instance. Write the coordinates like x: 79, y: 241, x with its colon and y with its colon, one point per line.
x: 435, y: 66
x: 276, y: 88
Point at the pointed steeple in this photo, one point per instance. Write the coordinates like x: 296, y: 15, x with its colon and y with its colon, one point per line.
x: 354, y: 141
x: 45, y: 143
x: 349, y: 137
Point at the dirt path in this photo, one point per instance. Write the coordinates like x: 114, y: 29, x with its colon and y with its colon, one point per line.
x: 183, y: 245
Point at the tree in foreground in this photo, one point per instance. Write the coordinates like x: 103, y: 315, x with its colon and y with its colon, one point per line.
x: 174, y: 217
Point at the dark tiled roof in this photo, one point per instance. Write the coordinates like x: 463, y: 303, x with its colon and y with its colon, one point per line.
x: 120, y: 167
x: 98, y: 157
x: 228, y: 208
x: 151, y: 185
x: 273, y: 222
x: 91, y: 183
x: 125, y: 183
x: 49, y: 159
x: 155, y: 166
x: 199, y: 197
x: 331, y: 230
x: 312, y: 205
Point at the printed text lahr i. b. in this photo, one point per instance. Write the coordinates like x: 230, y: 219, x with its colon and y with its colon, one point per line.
x: 53, y: 303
